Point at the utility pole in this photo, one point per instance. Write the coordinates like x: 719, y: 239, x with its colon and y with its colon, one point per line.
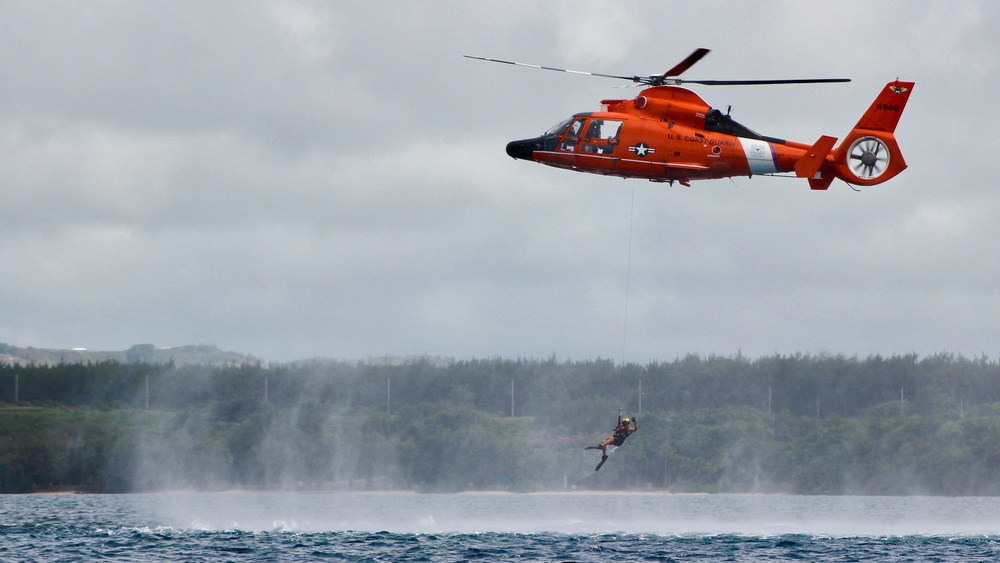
x: 512, y: 396
x: 640, y: 396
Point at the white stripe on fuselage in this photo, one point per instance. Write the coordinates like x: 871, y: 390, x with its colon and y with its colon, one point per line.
x: 760, y: 156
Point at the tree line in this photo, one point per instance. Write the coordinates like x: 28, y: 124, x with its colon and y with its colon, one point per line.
x: 799, y: 423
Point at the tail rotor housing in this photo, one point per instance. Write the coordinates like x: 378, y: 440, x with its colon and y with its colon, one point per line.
x: 869, y: 154
x: 868, y: 158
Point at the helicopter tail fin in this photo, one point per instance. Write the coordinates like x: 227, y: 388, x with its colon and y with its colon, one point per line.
x: 869, y: 154
x: 884, y: 113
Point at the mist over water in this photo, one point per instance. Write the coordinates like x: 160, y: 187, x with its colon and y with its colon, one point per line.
x: 582, y: 513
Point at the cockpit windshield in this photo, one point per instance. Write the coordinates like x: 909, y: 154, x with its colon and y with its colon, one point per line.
x: 559, y: 128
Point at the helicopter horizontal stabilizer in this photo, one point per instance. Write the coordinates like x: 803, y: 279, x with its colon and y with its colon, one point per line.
x: 813, y: 159
x: 821, y: 183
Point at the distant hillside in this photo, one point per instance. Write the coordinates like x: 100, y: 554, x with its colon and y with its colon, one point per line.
x: 180, y: 355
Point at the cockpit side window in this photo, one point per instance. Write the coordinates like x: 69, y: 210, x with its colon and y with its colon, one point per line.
x: 573, y: 134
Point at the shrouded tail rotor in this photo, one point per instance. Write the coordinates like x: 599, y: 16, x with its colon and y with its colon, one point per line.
x: 868, y: 158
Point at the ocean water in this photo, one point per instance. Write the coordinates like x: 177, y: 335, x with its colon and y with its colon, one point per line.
x: 284, y: 526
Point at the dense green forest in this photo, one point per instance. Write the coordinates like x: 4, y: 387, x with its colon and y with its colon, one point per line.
x: 799, y: 424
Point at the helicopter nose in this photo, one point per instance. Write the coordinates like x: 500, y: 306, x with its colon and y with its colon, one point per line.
x: 523, y: 149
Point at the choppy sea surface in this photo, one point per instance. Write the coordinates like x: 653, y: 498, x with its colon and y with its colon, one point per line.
x: 283, y: 526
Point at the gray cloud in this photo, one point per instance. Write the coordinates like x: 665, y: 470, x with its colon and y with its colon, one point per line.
x: 312, y: 179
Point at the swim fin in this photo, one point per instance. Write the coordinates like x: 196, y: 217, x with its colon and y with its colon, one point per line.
x: 603, y: 459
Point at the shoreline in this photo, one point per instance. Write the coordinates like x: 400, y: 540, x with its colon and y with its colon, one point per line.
x: 240, y: 491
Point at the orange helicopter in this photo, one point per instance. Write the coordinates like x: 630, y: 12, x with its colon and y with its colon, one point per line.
x: 669, y: 134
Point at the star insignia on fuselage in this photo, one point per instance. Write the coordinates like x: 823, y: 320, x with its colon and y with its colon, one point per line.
x: 641, y: 149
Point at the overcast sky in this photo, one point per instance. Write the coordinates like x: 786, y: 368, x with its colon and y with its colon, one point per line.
x: 328, y: 179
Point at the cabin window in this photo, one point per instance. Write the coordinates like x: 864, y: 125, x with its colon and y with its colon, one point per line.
x: 602, y: 136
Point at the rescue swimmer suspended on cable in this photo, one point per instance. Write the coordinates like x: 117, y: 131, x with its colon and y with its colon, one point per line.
x: 626, y: 426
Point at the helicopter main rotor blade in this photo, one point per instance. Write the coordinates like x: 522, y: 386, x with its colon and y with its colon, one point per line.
x: 686, y: 63
x: 666, y: 79
x: 756, y: 82
x: 632, y: 78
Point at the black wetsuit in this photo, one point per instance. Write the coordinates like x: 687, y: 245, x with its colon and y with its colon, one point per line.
x: 620, y: 434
